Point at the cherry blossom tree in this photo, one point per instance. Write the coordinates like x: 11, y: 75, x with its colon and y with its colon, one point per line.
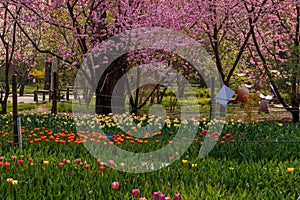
x: 275, y: 46
x: 7, y: 48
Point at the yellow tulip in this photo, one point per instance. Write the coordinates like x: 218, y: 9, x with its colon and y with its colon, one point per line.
x: 194, y: 165
x: 290, y: 169
x: 15, y: 182
x: 184, y: 161
x: 46, y: 163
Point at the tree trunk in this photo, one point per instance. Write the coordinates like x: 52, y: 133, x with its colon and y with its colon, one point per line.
x: 47, y: 79
x: 295, y: 111
x: 21, y: 90
x: 106, y: 86
x: 3, y: 107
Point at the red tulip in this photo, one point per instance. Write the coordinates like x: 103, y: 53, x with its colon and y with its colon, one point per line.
x: 101, y: 168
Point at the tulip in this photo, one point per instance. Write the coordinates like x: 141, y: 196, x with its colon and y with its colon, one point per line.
x: 9, y: 180
x: 1, y: 164
x: 193, y: 165
x: 142, y: 198
x: 167, y: 198
x: 15, y: 182
x: 21, y: 162
x: 111, y: 163
x: 184, y: 161
x: 291, y: 170
x: 161, y: 197
x: 21, y: 157
x: 122, y: 165
x: 156, y: 195
x: 7, y: 164
x: 1, y: 158
x: 61, y: 164
x: 64, y: 160
x: 77, y: 160
x: 101, y: 168
x: 13, y: 157
x: 30, y: 160
x: 46, y: 163
x: 136, y: 192
x: 177, y: 196
x: 115, y: 185
x: 68, y: 161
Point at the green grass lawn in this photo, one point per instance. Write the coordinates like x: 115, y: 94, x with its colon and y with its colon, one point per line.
x: 23, y: 106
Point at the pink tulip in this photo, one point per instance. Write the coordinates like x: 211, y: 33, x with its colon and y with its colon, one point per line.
x: 142, y: 198
x: 136, y: 192
x: 167, y: 198
x: 7, y: 164
x: 64, y: 160
x: 21, y: 162
x: 13, y: 157
x: 61, y: 164
x: 156, y: 195
x: 115, y: 185
x: 177, y: 196
x: 161, y: 197
x: 77, y: 160
x: 1, y: 158
x: 111, y: 163
x: 86, y: 166
x: 98, y: 161
x: 30, y: 160
x: 21, y: 157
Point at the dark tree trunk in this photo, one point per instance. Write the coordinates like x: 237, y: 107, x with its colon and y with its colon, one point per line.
x: 21, y: 90
x: 3, y: 107
x: 106, y: 86
x: 47, y: 79
x: 295, y: 111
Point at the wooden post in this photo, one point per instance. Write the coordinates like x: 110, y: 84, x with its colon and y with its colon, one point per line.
x: 68, y: 93
x: 54, y: 95
x: 212, y: 99
x: 15, y: 110
x: 35, y: 96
